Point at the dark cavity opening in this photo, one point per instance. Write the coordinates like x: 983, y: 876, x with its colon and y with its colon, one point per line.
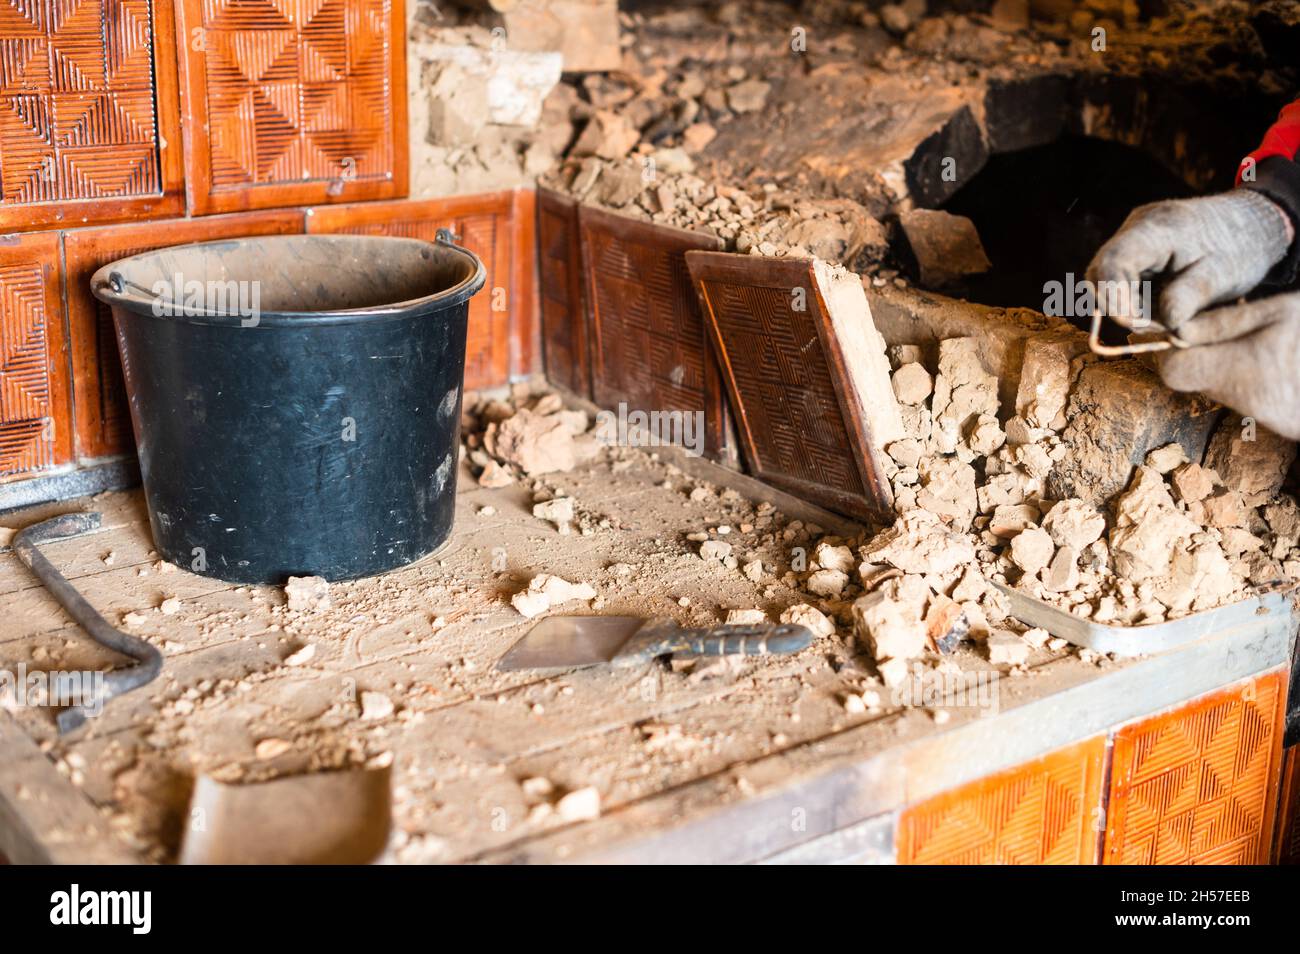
x: 1043, y: 212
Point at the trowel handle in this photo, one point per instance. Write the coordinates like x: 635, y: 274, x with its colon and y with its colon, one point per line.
x: 664, y: 637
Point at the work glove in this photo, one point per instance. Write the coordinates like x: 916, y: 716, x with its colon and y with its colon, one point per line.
x: 1246, y: 356
x: 1211, y: 250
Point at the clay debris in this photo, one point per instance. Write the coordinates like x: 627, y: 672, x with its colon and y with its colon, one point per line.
x: 307, y: 594
x: 968, y: 489
x: 527, y: 435
x: 944, y: 247
x: 920, y: 542
x: 545, y: 591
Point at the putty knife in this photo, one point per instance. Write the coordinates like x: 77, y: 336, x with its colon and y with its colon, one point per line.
x: 565, y: 642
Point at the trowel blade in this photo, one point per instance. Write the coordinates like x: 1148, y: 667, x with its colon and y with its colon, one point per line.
x: 563, y: 642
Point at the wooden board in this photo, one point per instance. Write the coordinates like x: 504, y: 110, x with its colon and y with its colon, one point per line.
x: 103, y: 422
x: 495, y: 226
x: 564, y: 315
x: 89, y: 125
x: 35, y: 381
x: 799, y: 424
x: 293, y: 104
x: 649, y: 349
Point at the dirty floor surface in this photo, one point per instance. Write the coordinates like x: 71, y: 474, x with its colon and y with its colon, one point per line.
x: 400, y: 669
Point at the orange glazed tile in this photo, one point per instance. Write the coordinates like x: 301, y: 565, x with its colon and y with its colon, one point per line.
x: 89, y: 124
x: 562, y: 293
x: 103, y: 423
x: 35, y: 385
x: 1199, y: 785
x: 1288, y: 840
x: 486, y: 225
x: 291, y: 103
x: 1042, y: 812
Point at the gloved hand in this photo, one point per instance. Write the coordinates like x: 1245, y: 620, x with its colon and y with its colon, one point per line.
x: 1245, y: 356
x: 1214, y: 249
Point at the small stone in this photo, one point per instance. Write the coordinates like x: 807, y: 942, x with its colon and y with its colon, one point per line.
x: 830, y: 557
x: 302, y: 656
x: 1005, y: 648
x: 548, y: 404
x: 753, y: 571
x: 537, y: 787
x: 494, y: 476
x: 271, y: 748
x: 375, y: 706
x: 307, y: 594
x: 1010, y: 520
x: 987, y: 436
x: 801, y: 614
x: 170, y: 606
x: 919, y: 542
x: 1192, y: 482
x: 1037, y: 637
x: 912, y: 384
x: 715, y: 550
x: 1165, y: 459
x: 746, y: 617
x: 1074, y: 523
x: 828, y: 583
x: 1224, y: 509
x: 558, y: 511
x: 907, y: 452
x: 545, y: 591
x: 582, y: 804
x: 748, y: 96
x: 1032, y: 549
x: 1062, y: 574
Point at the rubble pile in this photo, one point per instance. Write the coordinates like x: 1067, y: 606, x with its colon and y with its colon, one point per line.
x: 984, y: 492
x: 715, y: 120
x: 526, y: 436
x: 971, y: 492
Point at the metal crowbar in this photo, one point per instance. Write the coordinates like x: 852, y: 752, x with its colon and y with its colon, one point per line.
x: 116, y: 682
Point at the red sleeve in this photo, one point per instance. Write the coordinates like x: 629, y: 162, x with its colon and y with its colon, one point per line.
x: 1282, y: 139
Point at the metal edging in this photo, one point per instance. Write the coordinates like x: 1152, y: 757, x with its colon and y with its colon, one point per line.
x: 1148, y: 639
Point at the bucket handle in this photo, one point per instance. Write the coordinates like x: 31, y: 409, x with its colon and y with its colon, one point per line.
x: 446, y: 237
x: 119, y: 283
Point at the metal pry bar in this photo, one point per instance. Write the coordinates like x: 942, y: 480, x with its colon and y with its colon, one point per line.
x: 118, y: 681
x: 1170, y: 340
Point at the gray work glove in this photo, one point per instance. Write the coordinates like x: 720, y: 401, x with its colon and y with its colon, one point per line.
x: 1245, y: 356
x: 1212, y: 249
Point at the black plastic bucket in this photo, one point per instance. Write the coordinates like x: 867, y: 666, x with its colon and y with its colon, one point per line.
x: 295, y: 399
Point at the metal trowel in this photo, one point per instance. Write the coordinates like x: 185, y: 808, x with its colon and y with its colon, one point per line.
x: 566, y: 642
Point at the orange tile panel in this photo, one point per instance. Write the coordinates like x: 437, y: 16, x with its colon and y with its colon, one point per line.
x: 103, y: 424
x: 1043, y: 812
x: 1199, y: 784
x: 35, y: 381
